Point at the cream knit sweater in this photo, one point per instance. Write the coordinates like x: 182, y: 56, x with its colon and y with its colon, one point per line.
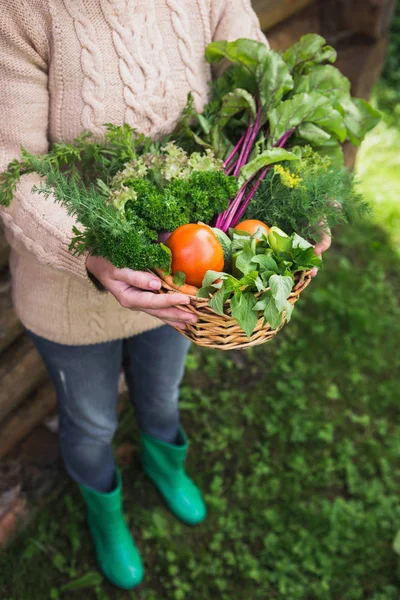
x: 73, y: 65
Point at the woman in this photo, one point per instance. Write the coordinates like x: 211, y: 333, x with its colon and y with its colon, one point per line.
x: 68, y: 66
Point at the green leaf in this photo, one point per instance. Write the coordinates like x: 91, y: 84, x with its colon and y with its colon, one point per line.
x: 265, y: 276
x: 242, y: 305
x: 241, y: 51
x: 359, y: 118
x: 275, y: 80
x: 306, y: 108
x: 279, y: 240
x: 271, y: 314
x: 299, y: 242
x: 289, y: 310
x: 240, y: 239
x: 235, y: 102
x: 258, y: 282
x: 211, y: 276
x: 218, y: 300
x: 281, y: 286
x: 312, y: 133
x: 268, y: 157
x: 243, y: 260
x: 91, y: 579
x: 206, y: 292
x: 264, y: 301
x: 266, y: 262
x: 307, y: 258
x: 204, y: 123
x: 250, y: 280
x: 59, y: 561
x: 310, y: 50
x: 324, y: 79
x: 226, y: 244
x: 179, y: 278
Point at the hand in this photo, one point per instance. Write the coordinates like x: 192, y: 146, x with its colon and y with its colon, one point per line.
x: 135, y: 290
x: 323, y: 244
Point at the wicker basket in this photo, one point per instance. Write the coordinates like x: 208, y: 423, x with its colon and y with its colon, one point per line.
x: 222, y: 331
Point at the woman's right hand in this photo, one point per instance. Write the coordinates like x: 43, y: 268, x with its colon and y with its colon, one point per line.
x: 135, y: 290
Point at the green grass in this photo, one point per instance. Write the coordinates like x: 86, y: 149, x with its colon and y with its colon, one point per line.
x: 296, y: 445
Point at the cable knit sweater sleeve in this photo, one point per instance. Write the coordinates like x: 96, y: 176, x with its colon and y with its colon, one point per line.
x: 233, y: 19
x: 34, y: 223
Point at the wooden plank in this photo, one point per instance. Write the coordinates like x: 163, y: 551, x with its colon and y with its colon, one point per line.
x: 371, y: 18
x: 21, y: 372
x: 362, y: 62
x: 290, y: 31
x: 23, y: 420
x: 272, y: 12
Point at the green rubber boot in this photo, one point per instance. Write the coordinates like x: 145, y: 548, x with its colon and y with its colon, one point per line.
x: 164, y: 464
x: 117, y: 555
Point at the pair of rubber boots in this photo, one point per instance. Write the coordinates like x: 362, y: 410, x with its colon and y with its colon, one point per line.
x: 117, y: 555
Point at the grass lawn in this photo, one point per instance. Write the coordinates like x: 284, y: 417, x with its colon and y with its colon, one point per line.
x: 296, y: 445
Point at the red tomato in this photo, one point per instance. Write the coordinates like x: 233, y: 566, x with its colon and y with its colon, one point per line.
x: 195, y: 250
x: 251, y: 226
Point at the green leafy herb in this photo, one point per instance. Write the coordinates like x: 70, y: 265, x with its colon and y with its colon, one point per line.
x: 179, y: 278
x: 126, y: 190
x: 261, y: 264
x: 310, y: 196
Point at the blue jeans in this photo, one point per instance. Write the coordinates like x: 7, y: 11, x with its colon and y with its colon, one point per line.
x: 86, y: 382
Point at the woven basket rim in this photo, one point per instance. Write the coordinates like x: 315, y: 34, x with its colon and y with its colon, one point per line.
x: 299, y: 275
x: 221, y: 331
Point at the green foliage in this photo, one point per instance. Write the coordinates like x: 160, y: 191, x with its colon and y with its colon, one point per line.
x: 260, y: 264
x: 295, y: 94
x: 125, y: 191
x: 125, y: 243
x: 296, y: 446
x: 266, y: 158
x: 83, y: 159
x: 388, y: 90
x: 320, y: 194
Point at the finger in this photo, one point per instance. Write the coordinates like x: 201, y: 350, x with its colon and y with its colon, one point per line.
x: 323, y: 244
x: 138, y: 279
x: 177, y: 324
x: 145, y: 300
x: 173, y: 314
x: 314, y: 272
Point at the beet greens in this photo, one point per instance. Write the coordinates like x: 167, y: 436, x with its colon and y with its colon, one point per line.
x: 267, y: 106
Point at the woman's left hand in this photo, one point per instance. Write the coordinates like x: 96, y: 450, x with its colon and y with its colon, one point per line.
x: 323, y: 244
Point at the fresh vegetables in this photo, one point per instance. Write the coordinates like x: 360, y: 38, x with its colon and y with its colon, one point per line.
x: 265, y: 150
x: 251, y: 226
x: 267, y: 106
x: 313, y: 192
x: 160, y: 187
x: 195, y: 250
x: 266, y: 270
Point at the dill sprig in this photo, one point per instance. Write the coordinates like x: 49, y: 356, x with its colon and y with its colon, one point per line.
x: 313, y: 193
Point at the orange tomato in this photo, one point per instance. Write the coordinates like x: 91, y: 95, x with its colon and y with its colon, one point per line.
x: 251, y: 226
x: 195, y: 250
